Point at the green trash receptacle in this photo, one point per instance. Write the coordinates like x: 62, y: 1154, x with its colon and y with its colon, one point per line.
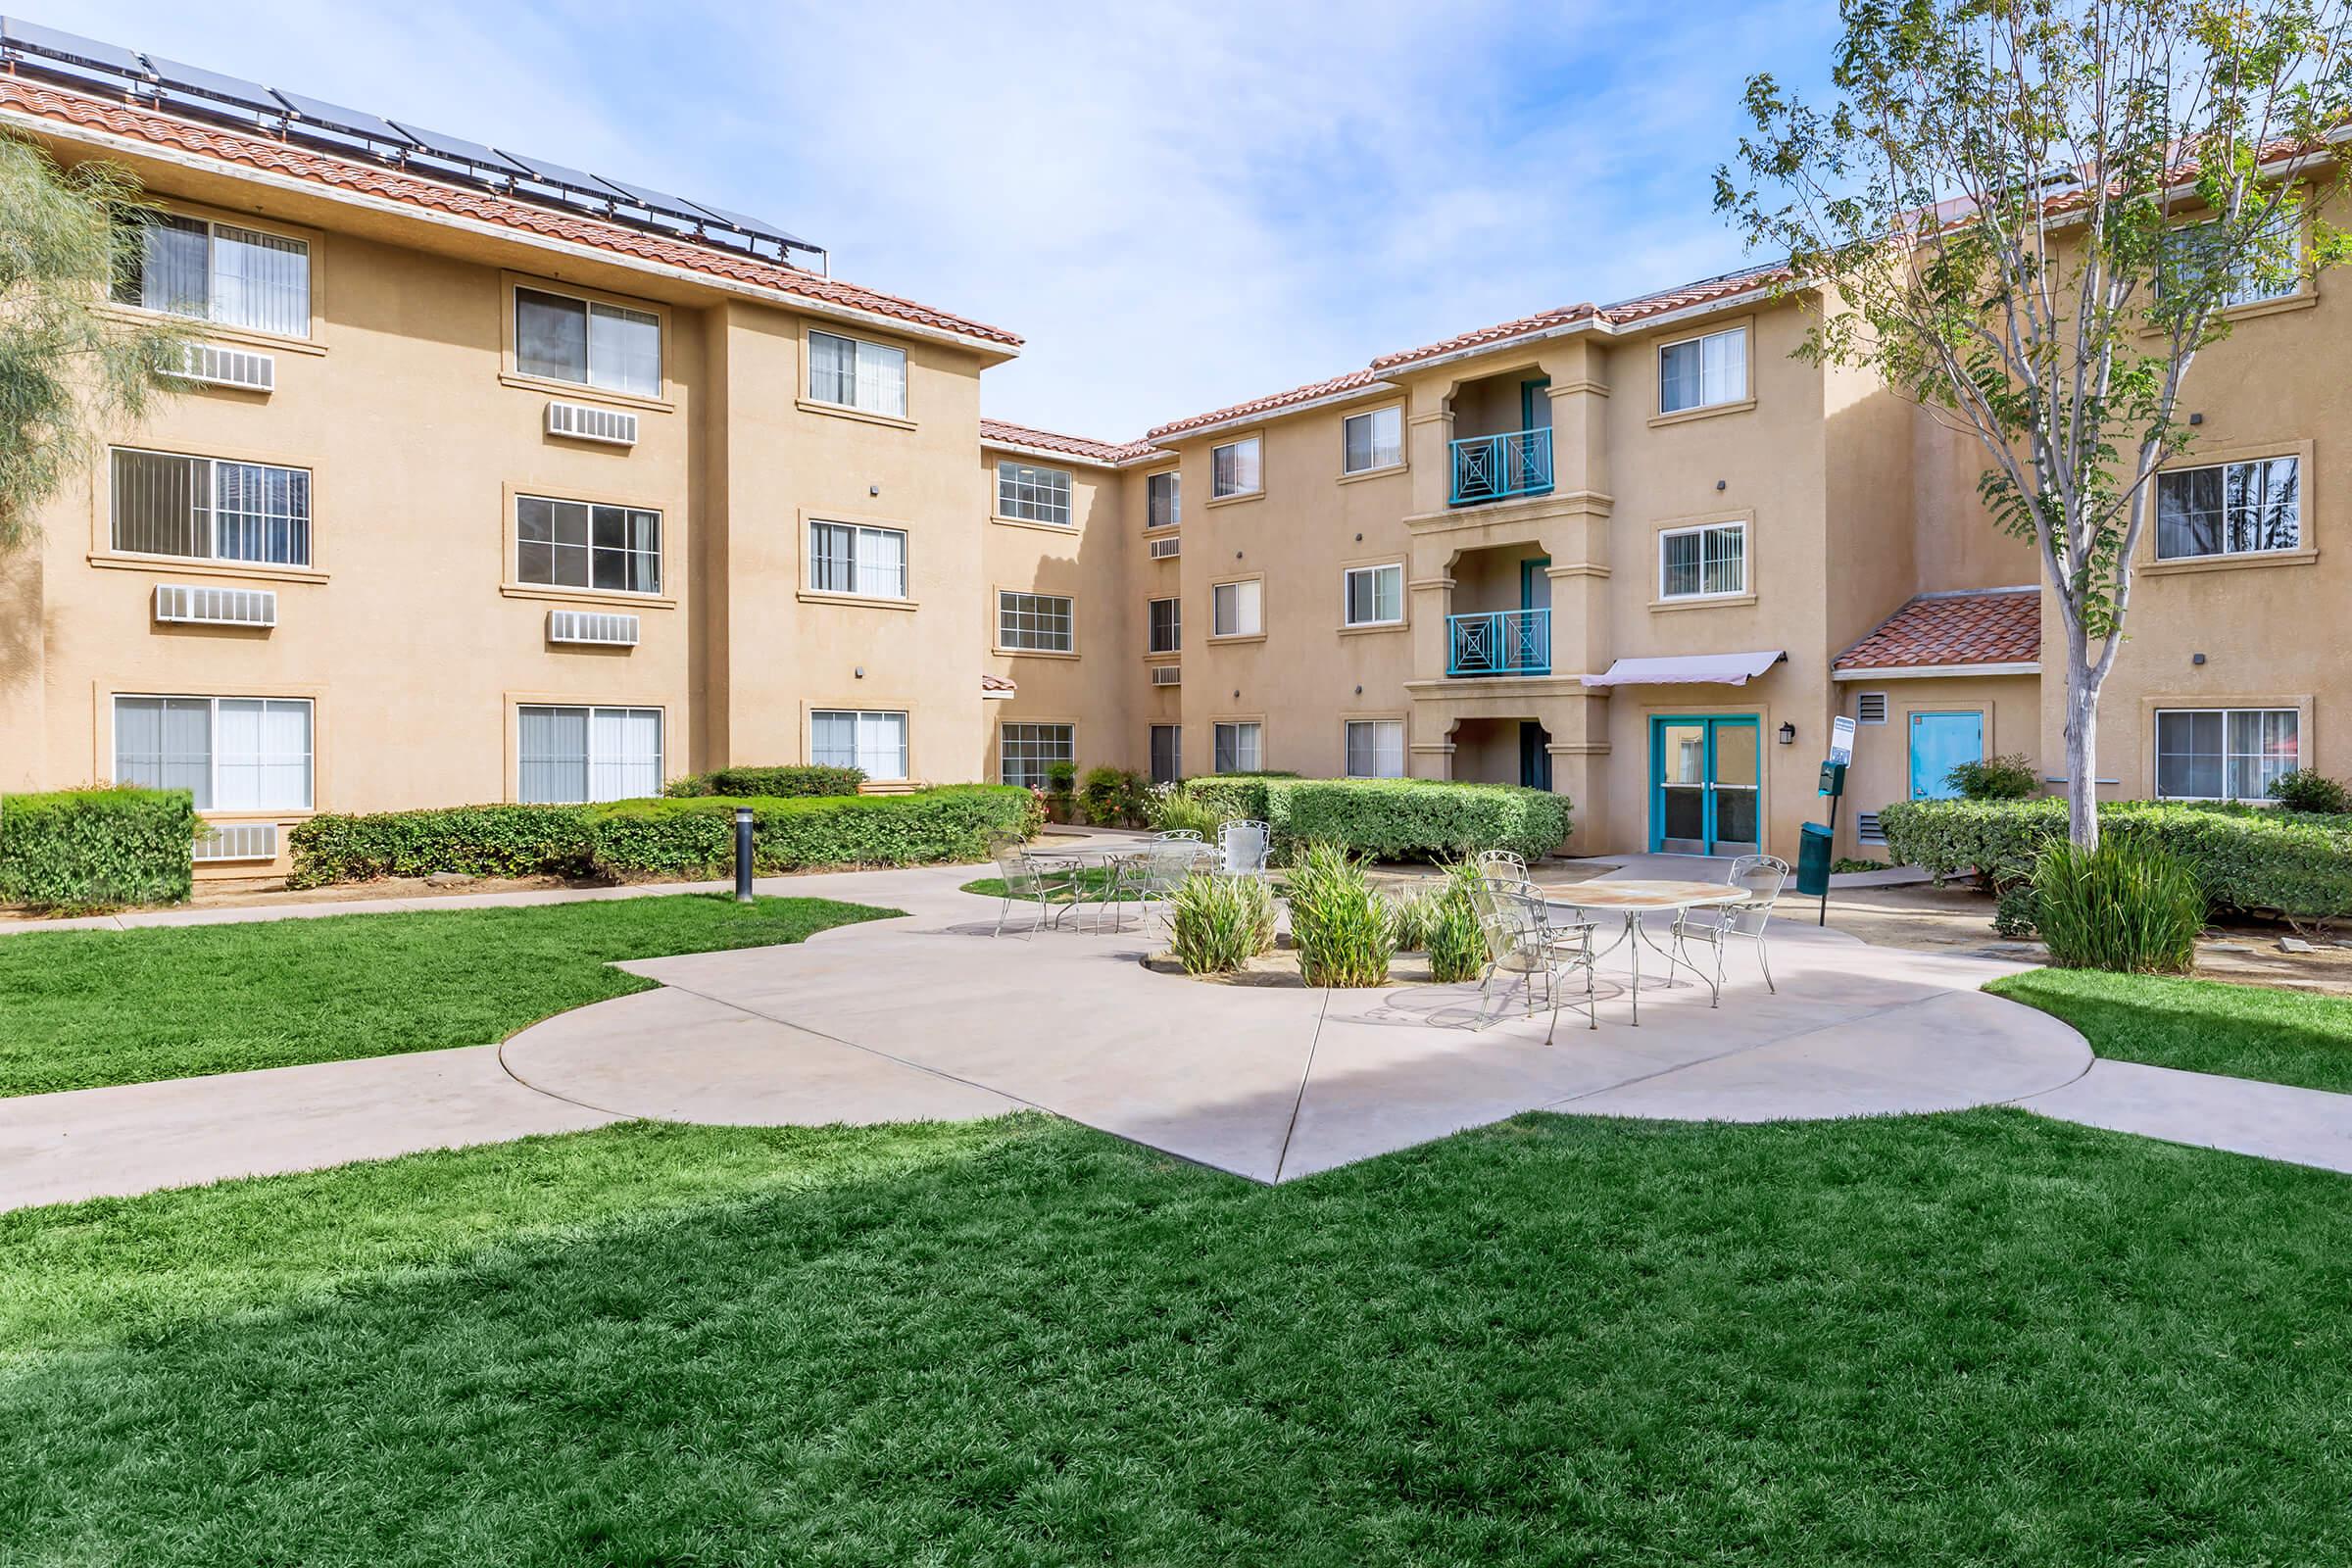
x: 1813, y: 861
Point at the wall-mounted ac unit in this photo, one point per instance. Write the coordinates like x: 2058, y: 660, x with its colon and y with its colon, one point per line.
x: 1867, y: 829
x: 237, y: 841
x: 1167, y: 674
x: 214, y: 366
x: 582, y: 421
x: 1162, y: 548
x: 187, y: 605
x: 591, y: 626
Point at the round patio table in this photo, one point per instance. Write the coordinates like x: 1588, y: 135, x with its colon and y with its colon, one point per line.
x: 1635, y: 898
x: 1115, y: 863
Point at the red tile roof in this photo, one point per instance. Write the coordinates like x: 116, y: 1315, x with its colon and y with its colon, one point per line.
x: 1337, y: 385
x: 1501, y: 333
x: 42, y: 101
x: 1108, y: 452
x: 1984, y: 626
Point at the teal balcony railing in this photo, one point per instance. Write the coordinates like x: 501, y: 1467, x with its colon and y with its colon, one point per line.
x: 1491, y: 467
x: 1499, y: 642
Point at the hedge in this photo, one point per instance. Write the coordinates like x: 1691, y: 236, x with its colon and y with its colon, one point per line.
x: 1394, y: 818
x: 92, y: 848
x: 2252, y: 859
x: 769, y: 783
x: 637, y: 840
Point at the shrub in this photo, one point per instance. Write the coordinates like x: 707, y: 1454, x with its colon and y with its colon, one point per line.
x: 769, y: 783
x: 472, y: 839
x: 637, y: 840
x: 1994, y: 778
x: 1344, y: 930
x: 1238, y: 795
x: 1413, y: 917
x: 1457, y: 948
x: 2014, y: 914
x: 2304, y: 790
x: 1169, y: 810
x: 1218, y: 923
x: 1111, y: 796
x: 1392, y: 819
x: 97, y: 848
x: 2126, y: 907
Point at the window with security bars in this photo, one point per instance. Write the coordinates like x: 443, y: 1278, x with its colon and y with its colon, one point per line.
x: 1702, y: 562
x: 1038, y: 623
x: 1025, y: 750
x: 1701, y: 371
x: 1374, y: 596
x: 232, y: 754
x: 874, y: 742
x: 577, y: 543
x: 1165, y: 629
x: 850, y: 558
x: 208, y: 509
x: 1374, y: 439
x: 2225, y: 754
x: 2230, y: 509
x: 587, y: 342
x: 571, y: 756
x: 1167, y: 754
x: 1236, y: 747
x: 856, y: 374
x: 217, y: 272
x: 1376, y: 748
x: 1164, y: 499
x: 1033, y: 494
x: 1233, y: 468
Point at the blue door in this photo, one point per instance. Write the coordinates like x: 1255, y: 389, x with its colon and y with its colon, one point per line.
x: 1939, y: 743
x: 1707, y: 781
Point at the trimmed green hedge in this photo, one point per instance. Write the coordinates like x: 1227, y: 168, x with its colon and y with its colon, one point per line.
x: 639, y: 840
x: 1394, y: 818
x: 92, y: 848
x: 767, y: 783
x: 2253, y: 859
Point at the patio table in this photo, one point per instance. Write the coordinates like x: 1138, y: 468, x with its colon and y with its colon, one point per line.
x: 1117, y: 863
x: 1635, y: 898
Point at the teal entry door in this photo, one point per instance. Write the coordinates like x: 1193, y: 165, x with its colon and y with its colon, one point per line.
x: 1939, y: 743
x: 1706, y: 785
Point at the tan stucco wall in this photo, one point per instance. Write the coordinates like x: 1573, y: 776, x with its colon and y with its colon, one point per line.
x: 1880, y: 771
x: 1095, y: 687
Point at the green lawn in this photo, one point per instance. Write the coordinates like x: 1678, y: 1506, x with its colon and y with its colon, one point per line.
x: 1979, y: 1339
x: 2284, y: 1037
x: 80, y: 1009
x: 1092, y: 883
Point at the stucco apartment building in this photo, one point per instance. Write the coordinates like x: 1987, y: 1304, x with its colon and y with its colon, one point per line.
x: 494, y: 480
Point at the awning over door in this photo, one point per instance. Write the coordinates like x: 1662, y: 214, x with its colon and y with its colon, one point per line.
x: 1689, y: 670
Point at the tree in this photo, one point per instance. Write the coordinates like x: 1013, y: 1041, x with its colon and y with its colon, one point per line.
x: 69, y: 368
x: 2029, y: 216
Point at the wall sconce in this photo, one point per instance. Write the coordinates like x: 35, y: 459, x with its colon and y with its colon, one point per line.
x: 1787, y: 733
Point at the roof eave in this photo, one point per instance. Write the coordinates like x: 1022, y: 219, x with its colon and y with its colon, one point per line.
x: 1241, y: 422
x: 2028, y: 667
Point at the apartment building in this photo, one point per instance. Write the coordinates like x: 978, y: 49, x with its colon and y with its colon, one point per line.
x: 486, y: 486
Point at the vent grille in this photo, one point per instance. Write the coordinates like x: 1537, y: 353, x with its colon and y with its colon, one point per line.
x: 583, y: 423
x: 214, y: 366
x: 1167, y: 674
x: 1870, y: 708
x: 186, y: 605
x: 1867, y: 829
x: 591, y: 626
x: 1162, y: 548
x: 237, y: 841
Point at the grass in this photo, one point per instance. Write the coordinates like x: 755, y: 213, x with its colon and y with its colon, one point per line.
x: 1092, y: 881
x: 2282, y: 1037
x: 82, y: 1008
x: 1977, y: 1338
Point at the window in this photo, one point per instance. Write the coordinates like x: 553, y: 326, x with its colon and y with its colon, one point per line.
x: 1373, y: 440
x: 588, y: 343
x: 233, y: 754
x: 1237, y: 749
x: 1870, y: 708
x: 210, y: 510
x: 1166, y: 627
x: 2268, y: 268
x: 1036, y: 624
x: 574, y: 544
x: 1374, y: 596
x: 1233, y: 470
x: 1164, y: 499
x: 856, y: 374
x: 847, y: 558
x: 1376, y: 748
x: 570, y: 756
x: 2225, y: 754
x: 875, y: 743
x: 1167, y: 754
x: 1702, y: 562
x: 1703, y: 371
x: 1025, y: 750
x: 2230, y: 509
x: 1033, y: 494
x: 220, y: 273
x: 1237, y: 608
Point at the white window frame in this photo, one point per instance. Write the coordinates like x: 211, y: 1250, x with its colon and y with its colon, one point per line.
x: 1005, y: 744
x: 860, y: 535
x: 2225, y: 755
x: 1379, y: 752
x: 1018, y: 623
x: 1347, y: 617
x: 1703, y: 530
x: 1227, y: 739
x: 862, y: 347
x: 591, y: 758
x: 212, y: 510
x: 589, y: 310
x: 877, y: 722
x: 1708, y: 397
x: 1218, y: 630
x: 1175, y: 643
x: 212, y: 289
x: 2223, y: 467
x: 1217, y: 490
x: 1394, y: 414
x: 1025, y: 493
x: 2289, y: 213
x: 630, y: 514
x: 211, y: 743
x: 1175, y: 516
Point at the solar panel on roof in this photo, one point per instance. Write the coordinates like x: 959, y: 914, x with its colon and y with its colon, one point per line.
x: 752, y: 226
x: 334, y: 116
x: 548, y: 174
x: 645, y: 196
x: 212, y: 84
x: 457, y: 149
x: 69, y: 46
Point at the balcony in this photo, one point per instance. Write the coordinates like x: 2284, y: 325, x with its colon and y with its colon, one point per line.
x: 1499, y: 642
x: 1496, y: 467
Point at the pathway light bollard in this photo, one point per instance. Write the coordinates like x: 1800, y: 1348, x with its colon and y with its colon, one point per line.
x: 743, y: 854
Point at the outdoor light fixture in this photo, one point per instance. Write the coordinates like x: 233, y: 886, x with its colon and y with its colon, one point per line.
x: 1787, y: 734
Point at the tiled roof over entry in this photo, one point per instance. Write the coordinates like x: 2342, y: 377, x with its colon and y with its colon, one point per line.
x: 1981, y: 626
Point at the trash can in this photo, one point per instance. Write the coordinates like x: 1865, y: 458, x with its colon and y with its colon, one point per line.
x: 1813, y: 861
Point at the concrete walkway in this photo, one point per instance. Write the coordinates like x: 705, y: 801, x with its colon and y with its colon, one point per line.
x: 2270, y: 1121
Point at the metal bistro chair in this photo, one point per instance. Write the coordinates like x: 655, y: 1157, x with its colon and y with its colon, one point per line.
x: 1718, y: 925
x: 1178, y: 835
x: 1162, y: 868
x: 1522, y: 939
x: 1244, y: 846
x: 1503, y: 865
x: 1027, y: 881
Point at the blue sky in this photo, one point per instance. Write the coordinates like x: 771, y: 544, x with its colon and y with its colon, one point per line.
x: 1179, y: 206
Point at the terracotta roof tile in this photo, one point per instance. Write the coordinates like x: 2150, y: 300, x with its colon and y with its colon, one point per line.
x: 1501, y: 333
x: 1336, y: 385
x: 1987, y: 626
x: 258, y: 152
x: 1108, y: 452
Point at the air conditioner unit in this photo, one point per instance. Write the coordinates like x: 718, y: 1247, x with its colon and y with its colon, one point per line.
x: 237, y: 841
x: 1870, y: 708
x: 187, y: 605
x: 1167, y: 674
x: 214, y: 366
x: 582, y: 421
x: 1162, y: 548
x: 1867, y: 829
x: 591, y: 626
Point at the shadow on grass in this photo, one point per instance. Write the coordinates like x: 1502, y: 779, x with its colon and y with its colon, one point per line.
x: 2282, y: 1037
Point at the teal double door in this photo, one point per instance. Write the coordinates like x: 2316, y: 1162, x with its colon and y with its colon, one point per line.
x: 1706, y: 790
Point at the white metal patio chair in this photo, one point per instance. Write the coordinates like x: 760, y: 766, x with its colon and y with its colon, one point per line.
x: 1028, y: 881
x: 1523, y: 941
x: 1178, y: 835
x: 1719, y: 925
x: 1244, y: 846
x: 1503, y: 865
x: 1161, y: 871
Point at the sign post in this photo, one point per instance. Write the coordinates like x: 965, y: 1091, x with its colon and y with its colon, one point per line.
x: 1833, y: 785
